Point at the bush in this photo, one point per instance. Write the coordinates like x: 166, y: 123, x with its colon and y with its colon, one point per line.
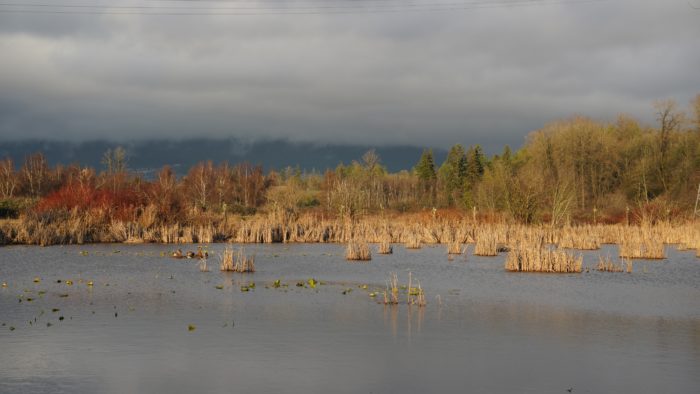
x: 11, y: 208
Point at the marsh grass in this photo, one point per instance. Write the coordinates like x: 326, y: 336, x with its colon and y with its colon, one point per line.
x: 579, y: 237
x: 455, y: 248
x: 413, y: 241
x: 537, y: 257
x: 642, y: 243
x: 357, y: 251
x: 236, y: 261
x: 486, y: 244
x: 391, y: 295
x: 385, y: 248
x: 414, y: 294
x: 605, y: 264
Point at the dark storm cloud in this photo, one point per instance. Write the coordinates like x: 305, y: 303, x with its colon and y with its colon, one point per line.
x: 484, y: 76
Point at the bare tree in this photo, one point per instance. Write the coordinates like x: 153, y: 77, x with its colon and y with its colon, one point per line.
x: 8, y: 178
x: 670, y: 120
x: 34, y: 172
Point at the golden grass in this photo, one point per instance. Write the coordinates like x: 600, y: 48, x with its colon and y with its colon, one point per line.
x: 358, y: 251
x: 413, y: 241
x: 74, y: 227
x: 486, y: 243
x: 455, y: 248
x: 579, y: 237
x: 605, y: 264
x: 385, y: 248
x: 537, y: 257
x: 642, y: 243
x: 236, y: 261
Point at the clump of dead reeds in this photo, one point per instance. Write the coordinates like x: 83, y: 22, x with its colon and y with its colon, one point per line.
x: 486, y: 244
x: 642, y: 243
x: 413, y: 241
x: 455, y: 248
x: 357, y: 251
x: 385, y: 248
x: 237, y: 261
x: 605, y: 264
x: 581, y: 237
x: 536, y: 257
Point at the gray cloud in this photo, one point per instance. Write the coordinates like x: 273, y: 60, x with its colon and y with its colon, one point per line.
x: 484, y: 76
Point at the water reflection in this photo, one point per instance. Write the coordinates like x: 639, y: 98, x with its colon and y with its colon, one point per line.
x: 489, y: 332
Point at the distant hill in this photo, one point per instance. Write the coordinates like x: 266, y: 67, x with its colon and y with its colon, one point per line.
x: 150, y: 155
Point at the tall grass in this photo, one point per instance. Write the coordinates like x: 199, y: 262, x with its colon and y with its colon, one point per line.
x: 385, y: 248
x: 414, y: 294
x: 357, y: 251
x: 605, y: 264
x: 236, y: 261
x: 99, y: 225
x: 486, y: 244
x: 642, y: 243
x: 537, y: 257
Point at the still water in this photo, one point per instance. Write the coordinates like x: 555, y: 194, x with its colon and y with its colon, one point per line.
x: 149, y: 323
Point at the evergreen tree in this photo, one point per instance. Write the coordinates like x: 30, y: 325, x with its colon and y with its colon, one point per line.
x: 475, y: 164
x: 425, y: 169
x: 453, y: 173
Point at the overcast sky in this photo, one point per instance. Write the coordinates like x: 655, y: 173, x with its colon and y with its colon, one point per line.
x: 471, y: 75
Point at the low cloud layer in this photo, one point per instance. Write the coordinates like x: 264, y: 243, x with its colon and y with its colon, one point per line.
x: 484, y: 76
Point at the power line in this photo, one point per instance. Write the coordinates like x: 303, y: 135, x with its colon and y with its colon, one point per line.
x: 286, y: 6
x: 83, y: 9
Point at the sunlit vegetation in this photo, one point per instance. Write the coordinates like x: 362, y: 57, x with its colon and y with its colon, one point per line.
x: 357, y: 251
x: 236, y: 261
x: 574, y: 178
x: 385, y: 247
x: 414, y: 292
x: 538, y: 257
x: 606, y: 264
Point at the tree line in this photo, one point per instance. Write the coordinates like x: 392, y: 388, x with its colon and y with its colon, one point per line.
x: 571, y: 170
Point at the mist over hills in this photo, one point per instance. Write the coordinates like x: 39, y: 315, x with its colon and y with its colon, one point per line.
x: 149, y: 155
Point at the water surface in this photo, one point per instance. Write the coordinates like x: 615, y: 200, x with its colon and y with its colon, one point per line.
x: 483, y: 330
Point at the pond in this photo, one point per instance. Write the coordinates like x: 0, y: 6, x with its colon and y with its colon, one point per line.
x: 132, y: 319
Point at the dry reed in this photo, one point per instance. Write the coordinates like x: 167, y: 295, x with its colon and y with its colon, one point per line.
x: 605, y: 264
x: 357, y: 251
x: 385, y: 248
x: 581, y: 237
x: 486, y: 244
x: 414, y: 295
x: 237, y: 261
x: 391, y: 295
x: 413, y: 241
x: 455, y: 248
x: 529, y: 257
x: 642, y: 243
